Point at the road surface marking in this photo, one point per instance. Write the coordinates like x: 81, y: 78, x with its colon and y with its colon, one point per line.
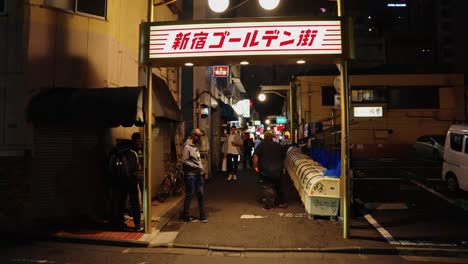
x: 252, y: 216
x: 164, y: 238
x: 433, y: 192
x: 40, y: 261
x: 292, y: 215
x: 423, y: 243
x: 433, y: 259
x: 386, y: 206
x: 381, y: 230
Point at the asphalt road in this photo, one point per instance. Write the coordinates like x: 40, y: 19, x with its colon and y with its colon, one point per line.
x: 64, y: 253
x: 411, y: 204
x: 237, y: 220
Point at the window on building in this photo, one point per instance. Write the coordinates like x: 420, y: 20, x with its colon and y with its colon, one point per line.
x: 456, y: 141
x: 89, y: 7
x: 448, y: 52
x: 368, y: 94
x: 328, y: 95
x: 2, y: 7
x: 93, y: 7
x: 447, y: 26
x: 413, y: 97
x: 448, y: 40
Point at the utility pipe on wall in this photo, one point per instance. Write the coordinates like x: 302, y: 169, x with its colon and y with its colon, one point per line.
x: 148, y: 109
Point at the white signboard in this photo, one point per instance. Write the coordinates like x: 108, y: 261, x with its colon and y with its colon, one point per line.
x: 221, y: 71
x: 368, y: 111
x: 242, y: 108
x: 245, y: 39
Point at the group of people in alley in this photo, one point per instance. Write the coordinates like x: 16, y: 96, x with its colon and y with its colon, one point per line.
x: 267, y: 162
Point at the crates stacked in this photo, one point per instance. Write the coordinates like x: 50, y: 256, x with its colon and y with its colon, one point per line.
x: 320, y: 194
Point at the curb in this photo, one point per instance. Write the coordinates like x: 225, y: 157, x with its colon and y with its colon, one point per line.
x: 163, y: 220
x: 344, y: 250
x: 403, y: 251
x: 97, y: 241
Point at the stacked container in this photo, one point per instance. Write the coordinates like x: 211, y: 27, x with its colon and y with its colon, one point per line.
x: 320, y: 194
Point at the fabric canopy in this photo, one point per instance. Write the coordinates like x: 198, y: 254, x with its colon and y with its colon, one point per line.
x: 101, y: 106
x: 228, y: 113
x: 165, y: 106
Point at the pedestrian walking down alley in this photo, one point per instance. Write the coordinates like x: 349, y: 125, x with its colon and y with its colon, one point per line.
x: 237, y: 220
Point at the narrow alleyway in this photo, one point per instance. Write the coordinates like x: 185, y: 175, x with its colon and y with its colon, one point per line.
x: 236, y: 219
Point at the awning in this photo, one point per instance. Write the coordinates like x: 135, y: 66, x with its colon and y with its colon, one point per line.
x: 238, y: 84
x: 101, y: 106
x: 228, y: 113
x: 164, y: 104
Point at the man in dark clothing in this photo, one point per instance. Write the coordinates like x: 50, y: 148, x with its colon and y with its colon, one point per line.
x: 123, y: 166
x: 194, y: 177
x: 268, y: 162
x: 137, y: 146
x: 248, y: 146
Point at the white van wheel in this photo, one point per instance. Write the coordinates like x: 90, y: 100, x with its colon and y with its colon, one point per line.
x: 452, y: 183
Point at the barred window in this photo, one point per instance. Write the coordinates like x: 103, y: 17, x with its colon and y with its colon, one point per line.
x: 2, y: 7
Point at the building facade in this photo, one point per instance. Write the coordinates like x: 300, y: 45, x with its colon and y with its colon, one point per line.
x: 57, y: 169
x: 411, y: 105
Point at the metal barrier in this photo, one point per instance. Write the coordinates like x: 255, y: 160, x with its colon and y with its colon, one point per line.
x: 320, y: 194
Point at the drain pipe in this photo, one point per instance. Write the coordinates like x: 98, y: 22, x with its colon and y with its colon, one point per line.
x: 148, y: 107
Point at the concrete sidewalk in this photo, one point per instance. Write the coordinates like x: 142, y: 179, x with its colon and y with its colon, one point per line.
x: 161, y: 214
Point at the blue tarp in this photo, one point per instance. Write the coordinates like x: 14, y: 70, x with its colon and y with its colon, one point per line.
x: 329, y: 160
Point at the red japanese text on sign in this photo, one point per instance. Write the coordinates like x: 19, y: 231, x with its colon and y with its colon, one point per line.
x: 292, y: 37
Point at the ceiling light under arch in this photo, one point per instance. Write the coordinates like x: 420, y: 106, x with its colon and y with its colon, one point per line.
x: 268, y: 4
x: 218, y: 6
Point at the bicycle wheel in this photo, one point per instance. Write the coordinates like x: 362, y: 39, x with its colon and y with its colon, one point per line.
x: 164, y: 189
x: 178, y: 184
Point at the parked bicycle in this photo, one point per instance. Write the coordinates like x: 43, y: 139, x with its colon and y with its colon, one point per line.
x: 173, y: 183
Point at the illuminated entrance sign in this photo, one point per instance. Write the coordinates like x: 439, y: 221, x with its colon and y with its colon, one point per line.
x: 295, y: 37
x: 221, y: 71
x: 280, y: 120
x: 368, y: 111
x: 214, y: 41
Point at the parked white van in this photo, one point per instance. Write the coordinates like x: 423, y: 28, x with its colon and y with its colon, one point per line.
x: 455, y: 168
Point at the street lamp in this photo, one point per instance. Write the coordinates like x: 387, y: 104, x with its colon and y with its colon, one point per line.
x: 268, y: 4
x: 276, y: 89
x: 262, y: 95
x: 219, y: 6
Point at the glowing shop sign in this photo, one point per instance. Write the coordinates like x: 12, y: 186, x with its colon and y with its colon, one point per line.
x: 368, y: 111
x: 245, y: 38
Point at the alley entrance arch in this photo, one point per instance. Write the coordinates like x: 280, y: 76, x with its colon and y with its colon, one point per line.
x: 258, y: 41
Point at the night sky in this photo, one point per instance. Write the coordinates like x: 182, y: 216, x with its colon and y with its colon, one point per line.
x: 253, y: 76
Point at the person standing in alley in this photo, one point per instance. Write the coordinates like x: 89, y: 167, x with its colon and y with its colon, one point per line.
x: 137, y: 146
x: 268, y: 162
x: 248, y: 146
x: 257, y: 141
x: 234, y: 143
x: 194, y: 177
x: 123, y: 166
